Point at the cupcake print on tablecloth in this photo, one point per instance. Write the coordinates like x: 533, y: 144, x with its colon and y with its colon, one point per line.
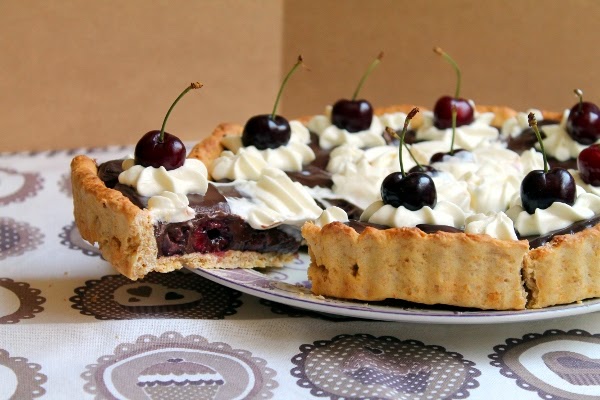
x: 555, y: 364
x: 17, y: 237
x: 20, y: 379
x: 17, y: 186
x: 365, y: 366
x: 71, y: 238
x: 173, y: 366
x: 19, y: 301
x: 174, y: 295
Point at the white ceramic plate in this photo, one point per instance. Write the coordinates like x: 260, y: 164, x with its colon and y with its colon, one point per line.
x: 289, y: 285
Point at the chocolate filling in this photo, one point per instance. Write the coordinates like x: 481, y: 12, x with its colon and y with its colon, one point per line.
x: 214, y: 229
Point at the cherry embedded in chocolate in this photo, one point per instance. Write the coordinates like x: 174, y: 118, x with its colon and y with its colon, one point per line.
x: 352, y: 115
x: 413, y: 191
x: 583, y: 124
x: 266, y: 132
x: 539, y: 189
x: 442, y: 112
x: 151, y: 152
x: 588, y: 164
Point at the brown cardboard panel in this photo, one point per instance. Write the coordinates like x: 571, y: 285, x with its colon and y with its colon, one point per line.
x: 522, y: 53
x: 82, y: 73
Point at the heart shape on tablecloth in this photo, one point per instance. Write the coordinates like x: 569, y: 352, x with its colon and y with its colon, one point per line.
x: 142, y: 291
x: 173, y: 296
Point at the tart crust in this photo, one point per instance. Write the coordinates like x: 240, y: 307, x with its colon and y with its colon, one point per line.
x: 125, y: 233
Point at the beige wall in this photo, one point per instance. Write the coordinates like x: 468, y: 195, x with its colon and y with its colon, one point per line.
x: 77, y: 73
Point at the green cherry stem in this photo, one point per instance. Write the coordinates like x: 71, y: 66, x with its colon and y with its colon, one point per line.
x: 579, y: 93
x: 299, y: 62
x: 453, y: 129
x: 442, y: 53
x: 534, y: 126
x: 392, y: 132
x: 193, y: 85
x: 366, y: 74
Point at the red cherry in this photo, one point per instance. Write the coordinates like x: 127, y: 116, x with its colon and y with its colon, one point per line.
x: 352, y: 115
x: 265, y: 132
x: 583, y: 123
x: 442, y: 112
x: 588, y: 164
x: 159, y: 148
x: 412, y: 191
x: 541, y: 189
x: 151, y: 152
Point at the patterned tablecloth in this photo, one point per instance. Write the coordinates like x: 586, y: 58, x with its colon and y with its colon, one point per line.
x: 72, y: 328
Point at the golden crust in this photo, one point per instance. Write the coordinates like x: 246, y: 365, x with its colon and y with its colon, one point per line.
x: 406, y: 263
x: 125, y: 233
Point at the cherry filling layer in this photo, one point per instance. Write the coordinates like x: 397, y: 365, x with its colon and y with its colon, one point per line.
x: 214, y: 229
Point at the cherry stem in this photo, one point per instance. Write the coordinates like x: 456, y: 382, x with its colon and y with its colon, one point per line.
x: 392, y: 132
x: 534, y: 126
x: 579, y: 93
x: 442, y: 53
x: 453, y: 129
x: 193, y: 85
x: 299, y: 62
x: 366, y: 74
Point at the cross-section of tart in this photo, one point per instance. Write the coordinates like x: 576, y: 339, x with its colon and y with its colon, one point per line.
x: 157, y: 211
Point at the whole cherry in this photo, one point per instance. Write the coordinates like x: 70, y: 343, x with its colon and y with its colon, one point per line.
x: 355, y: 115
x: 541, y: 188
x: 583, y: 123
x: 588, y: 164
x: 442, y: 110
x: 269, y: 131
x: 159, y: 148
x: 414, y: 190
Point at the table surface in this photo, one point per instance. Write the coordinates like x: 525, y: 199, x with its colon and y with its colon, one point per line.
x: 72, y: 327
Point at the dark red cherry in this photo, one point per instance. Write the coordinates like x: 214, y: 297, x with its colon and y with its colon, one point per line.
x: 352, y: 115
x: 266, y: 132
x: 588, y: 164
x: 413, y: 191
x: 159, y: 148
x: 583, y: 124
x: 460, y: 154
x: 151, y: 152
x: 541, y: 189
x: 442, y: 112
x: 427, y: 169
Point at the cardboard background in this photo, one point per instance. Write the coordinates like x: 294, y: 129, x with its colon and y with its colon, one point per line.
x: 75, y: 74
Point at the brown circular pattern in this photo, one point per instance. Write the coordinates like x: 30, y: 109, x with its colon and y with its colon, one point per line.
x: 71, y: 238
x: 17, y: 237
x: 174, y: 295
x: 29, y: 379
x: 146, y: 369
x: 30, y: 185
x: 568, y: 369
x: 365, y: 366
x: 64, y: 184
x: 30, y: 301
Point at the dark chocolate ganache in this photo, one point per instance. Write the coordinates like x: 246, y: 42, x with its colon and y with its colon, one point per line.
x: 214, y: 229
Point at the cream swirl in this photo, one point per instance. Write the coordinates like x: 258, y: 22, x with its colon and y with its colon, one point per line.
x: 444, y: 213
x: 331, y: 214
x: 359, y: 183
x: 514, y: 126
x: 191, y: 177
x: 279, y: 200
x: 468, y: 137
x: 496, y: 225
x: 170, y: 207
x: 239, y: 162
x: 331, y: 136
x: 557, y: 216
